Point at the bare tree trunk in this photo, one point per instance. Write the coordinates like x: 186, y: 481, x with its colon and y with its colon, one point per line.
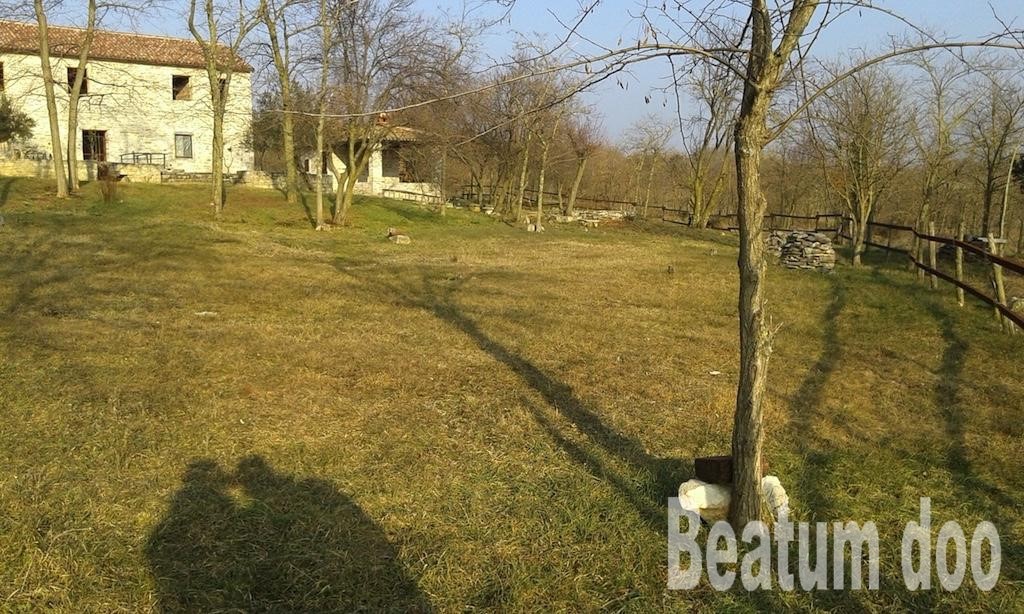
x: 76, y: 90
x: 523, y: 173
x: 288, y: 119
x: 545, y: 148
x: 700, y: 213
x: 755, y: 348
x: 342, y: 196
x: 340, y: 181
x: 51, y: 101
x: 72, y: 144
x: 217, y: 165
x: 859, y: 239
x: 986, y: 209
x: 279, y: 54
x: 1006, y: 192
x: 861, y: 218
x: 347, y: 194
x: 320, y: 147
x: 444, y: 179
x: 218, y: 74
x: 288, y: 145
x: 650, y: 183
x: 357, y: 158
x: 326, y: 42
x: 763, y: 70
x: 575, y: 190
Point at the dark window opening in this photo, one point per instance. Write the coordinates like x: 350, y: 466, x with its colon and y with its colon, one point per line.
x: 391, y: 162
x: 223, y: 87
x: 73, y: 74
x: 324, y: 163
x: 94, y: 145
x: 181, y: 87
x: 1, y: 77
x: 182, y: 145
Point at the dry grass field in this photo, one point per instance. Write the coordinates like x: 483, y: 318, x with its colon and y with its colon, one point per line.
x: 245, y: 415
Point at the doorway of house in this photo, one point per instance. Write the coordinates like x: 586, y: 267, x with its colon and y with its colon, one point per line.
x: 94, y: 145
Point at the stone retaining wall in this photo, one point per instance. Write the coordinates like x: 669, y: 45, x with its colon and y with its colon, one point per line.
x: 87, y: 170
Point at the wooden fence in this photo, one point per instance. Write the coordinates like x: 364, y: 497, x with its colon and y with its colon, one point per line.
x: 485, y: 196
x: 419, y: 197
x: 997, y: 264
x: 840, y: 225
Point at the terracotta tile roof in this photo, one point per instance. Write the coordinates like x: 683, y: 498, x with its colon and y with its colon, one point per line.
x: 17, y: 37
x: 402, y: 134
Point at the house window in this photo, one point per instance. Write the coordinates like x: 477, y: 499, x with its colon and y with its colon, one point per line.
x: 1, y: 77
x: 182, y: 145
x: 72, y: 74
x: 181, y: 87
x: 391, y: 162
x: 223, y: 87
x: 94, y: 145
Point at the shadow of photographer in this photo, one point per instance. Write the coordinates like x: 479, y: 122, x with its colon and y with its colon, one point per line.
x: 256, y: 540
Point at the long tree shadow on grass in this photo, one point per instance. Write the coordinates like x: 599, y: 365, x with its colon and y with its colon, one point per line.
x: 973, y: 491
x: 665, y: 474
x: 804, y: 406
x: 6, y: 183
x: 256, y: 540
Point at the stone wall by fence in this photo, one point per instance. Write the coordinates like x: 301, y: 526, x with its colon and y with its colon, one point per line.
x: 278, y: 181
x: 261, y: 179
x: 154, y: 173
x: 26, y: 168
x: 184, y: 177
x: 87, y: 170
x: 140, y: 173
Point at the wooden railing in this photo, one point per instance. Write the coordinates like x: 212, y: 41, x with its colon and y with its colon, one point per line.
x: 420, y: 197
x: 136, y: 157
x: 998, y: 265
x: 840, y: 225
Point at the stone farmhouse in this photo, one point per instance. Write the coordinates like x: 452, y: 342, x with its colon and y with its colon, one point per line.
x: 144, y: 106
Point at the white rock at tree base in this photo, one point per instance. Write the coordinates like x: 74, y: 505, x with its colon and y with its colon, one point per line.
x: 711, y: 501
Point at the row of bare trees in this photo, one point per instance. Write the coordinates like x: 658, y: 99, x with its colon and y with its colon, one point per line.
x: 932, y: 138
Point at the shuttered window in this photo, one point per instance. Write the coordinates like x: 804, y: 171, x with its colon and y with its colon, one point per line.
x: 182, y: 145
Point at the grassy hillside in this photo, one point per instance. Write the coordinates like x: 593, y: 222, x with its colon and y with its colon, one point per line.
x: 246, y: 414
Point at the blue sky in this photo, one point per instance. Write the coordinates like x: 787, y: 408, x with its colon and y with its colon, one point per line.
x: 963, y: 19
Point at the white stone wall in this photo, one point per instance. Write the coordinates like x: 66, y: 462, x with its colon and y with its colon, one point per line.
x: 133, y: 103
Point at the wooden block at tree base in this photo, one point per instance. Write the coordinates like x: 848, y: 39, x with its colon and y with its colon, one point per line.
x: 715, y: 469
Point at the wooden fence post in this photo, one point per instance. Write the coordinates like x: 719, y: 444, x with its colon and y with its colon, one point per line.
x: 960, y: 264
x: 997, y: 282
x: 917, y: 250
x: 933, y: 281
x: 1020, y: 239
